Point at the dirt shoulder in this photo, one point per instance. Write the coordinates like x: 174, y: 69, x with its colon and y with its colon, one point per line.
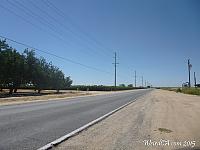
x: 35, y: 98
x: 48, y: 95
x: 145, y: 124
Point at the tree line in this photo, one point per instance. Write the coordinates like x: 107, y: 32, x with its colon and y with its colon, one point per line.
x: 102, y: 87
x: 26, y: 70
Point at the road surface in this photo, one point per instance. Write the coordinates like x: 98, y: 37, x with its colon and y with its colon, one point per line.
x: 165, y: 117
x: 33, y: 125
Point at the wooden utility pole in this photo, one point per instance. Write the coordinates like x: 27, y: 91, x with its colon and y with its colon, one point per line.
x: 195, y: 80
x: 115, y: 64
x: 142, y: 81
x: 189, y: 68
x: 135, y: 78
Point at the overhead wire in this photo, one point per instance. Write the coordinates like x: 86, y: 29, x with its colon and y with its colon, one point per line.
x: 29, y: 22
x: 60, y: 57
x: 41, y: 20
x: 64, y: 15
x: 26, y: 45
x: 67, y: 29
x: 26, y: 20
x: 59, y: 35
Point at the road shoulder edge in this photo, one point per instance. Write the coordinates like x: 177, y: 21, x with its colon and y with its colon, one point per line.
x: 84, y: 127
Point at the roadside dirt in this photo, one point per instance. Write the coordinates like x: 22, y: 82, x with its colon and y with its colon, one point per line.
x: 48, y: 95
x: 160, y: 120
x: 44, y: 96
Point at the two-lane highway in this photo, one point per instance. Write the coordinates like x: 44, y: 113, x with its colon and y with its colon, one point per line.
x: 33, y: 125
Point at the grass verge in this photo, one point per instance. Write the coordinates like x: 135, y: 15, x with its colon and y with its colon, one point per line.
x: 192, y: 90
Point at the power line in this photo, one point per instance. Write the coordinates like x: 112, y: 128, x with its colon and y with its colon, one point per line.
x: 38, y: 18
x: 29, y: 22
x: 64, y: 26
x: 42, y: 20
x: 63, y: 58
x: 64, y: 15
x: 24, y: 19
x: 67, y: 59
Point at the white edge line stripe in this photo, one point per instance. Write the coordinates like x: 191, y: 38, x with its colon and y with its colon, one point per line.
x: 67, y: 136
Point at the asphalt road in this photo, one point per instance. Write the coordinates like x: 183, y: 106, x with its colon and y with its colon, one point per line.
x: 33, y: 125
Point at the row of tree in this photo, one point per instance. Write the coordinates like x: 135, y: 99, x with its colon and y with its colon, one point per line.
x: 102, y: 88
x: 17, y: 70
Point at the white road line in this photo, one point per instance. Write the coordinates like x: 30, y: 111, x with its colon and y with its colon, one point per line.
x: 73, y: 133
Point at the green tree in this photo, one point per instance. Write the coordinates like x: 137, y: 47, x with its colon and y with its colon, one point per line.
x: 11, y: 69
x: 17, y: 69
x: 122, y: 85
x: 68, y: 82
x: 58, y: 80
x: 3, y: 46
x: 130, y: 85
x: 31, y: 64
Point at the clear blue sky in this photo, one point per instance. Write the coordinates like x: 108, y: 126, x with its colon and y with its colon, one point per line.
x: 154, y: 37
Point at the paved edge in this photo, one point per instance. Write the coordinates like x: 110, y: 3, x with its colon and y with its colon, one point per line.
x: 75, y: 132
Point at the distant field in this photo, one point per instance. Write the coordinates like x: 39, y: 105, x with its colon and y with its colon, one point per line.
x: 169, y: 88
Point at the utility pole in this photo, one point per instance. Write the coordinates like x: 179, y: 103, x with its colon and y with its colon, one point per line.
x: 142, y: 81
x: 135, y: 78
x: 189, y: 68
x: 115, y: 64
x: 195, y: 80
x: 145, y: 83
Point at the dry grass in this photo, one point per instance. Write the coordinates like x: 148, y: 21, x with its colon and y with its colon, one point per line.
x: 192, y: 90
x: 164, y: 130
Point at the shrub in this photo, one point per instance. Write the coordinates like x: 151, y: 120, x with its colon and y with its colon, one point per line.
x: 193, y: 91
x: 178, y: 90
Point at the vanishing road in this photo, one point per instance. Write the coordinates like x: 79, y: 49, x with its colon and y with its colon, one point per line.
x: 33, y: 125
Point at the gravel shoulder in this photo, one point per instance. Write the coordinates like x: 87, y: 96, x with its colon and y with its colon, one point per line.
x: 159, y: 120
